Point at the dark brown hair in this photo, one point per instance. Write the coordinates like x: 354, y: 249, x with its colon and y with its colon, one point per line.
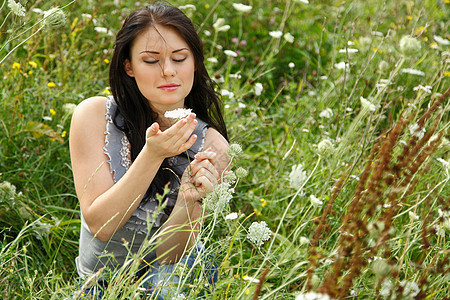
x: 132, y: 105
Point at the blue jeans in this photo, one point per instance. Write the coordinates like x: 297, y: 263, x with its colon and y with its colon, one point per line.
x: 161, y: 281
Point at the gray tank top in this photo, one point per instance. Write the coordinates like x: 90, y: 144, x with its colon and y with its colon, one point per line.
x: 95, y: 254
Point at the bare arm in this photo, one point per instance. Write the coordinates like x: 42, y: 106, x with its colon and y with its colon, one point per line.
x: 107, y: 206
x: 199, y: 178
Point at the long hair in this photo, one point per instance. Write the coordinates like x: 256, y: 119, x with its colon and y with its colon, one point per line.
x: 132, y: 105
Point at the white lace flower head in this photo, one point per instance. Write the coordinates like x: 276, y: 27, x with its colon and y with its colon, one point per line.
x: 258, y: 233
x: 219, y: 197
x: 178, y: 113
x: 297, y: 176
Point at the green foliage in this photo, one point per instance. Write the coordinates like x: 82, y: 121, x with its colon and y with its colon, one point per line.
x: 306, y: 97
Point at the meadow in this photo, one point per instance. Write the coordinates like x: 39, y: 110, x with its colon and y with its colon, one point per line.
x: 342, y: 114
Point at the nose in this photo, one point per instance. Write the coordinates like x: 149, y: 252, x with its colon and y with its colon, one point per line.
x: 168, y: 69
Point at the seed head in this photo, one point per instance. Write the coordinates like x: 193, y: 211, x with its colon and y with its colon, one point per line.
x: 325, y: 148
x: 409, y: 46
x: 55, y: 18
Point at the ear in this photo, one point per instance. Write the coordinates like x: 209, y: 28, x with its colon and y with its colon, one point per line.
x: 128, y: 69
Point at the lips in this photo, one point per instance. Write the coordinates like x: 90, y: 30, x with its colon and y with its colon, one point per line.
x: 169, y: 87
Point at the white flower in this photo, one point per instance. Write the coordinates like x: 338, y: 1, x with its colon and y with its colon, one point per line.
x: 207, y: 32
x: 55, y: 18
x: 178, y: 113
x: 297, y: 176
x: 302, y: 1
x: 212, y: 60
x: 103, y: 30
x: 8, y: 189
x: 426, y: 89
x: 386, y: 288
x: 325, y: 148
x: 219, y: 25
x: 276, y: 34
x: 69, y: 108
x: 37, y: 10
x: 230, y: 53
x: 225, y: 92
x: 315, y: 201
x: 219, y: 197
x: 291, y: 65
x: 234, y: 149
x: 413, y: 72
x: 409, y: 45
x: 341, y: 66
x: 47, y: 118
x: 242, y: 7
x: 348, y: 50
x: 413, y: 216
x: 288, y: 37
x: 241, y: 172
x: 251, y: 279
x: 16, y: 8
x: 441, y: 40
x: 377, y: 33
x: 410, y: 289
x: 304, y: 241
x: 257, y: 89
x: 231, y: 216
x: 416, y: 131
x: 366, y: 104
x: 179, y: 297
x: 312, y: 296
x: 326, y: 113
x: 188, y: 6
x: 258, y: 233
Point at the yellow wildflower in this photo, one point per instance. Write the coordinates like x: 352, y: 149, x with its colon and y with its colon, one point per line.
x: 257, y: 212
x: 447, y: 73
x: 247, y: 291
x: 420, y: 30
x: 409, y: 18
x: 106, y: 61
x: 51, y: 84
x: 16, y: 65
x: 33, y: 64
x: 263, y: 202
x: 107, y: 91
x: 64, y: 133
x: 30, y: 72
x: 52, y: 112
x: 206, y: 6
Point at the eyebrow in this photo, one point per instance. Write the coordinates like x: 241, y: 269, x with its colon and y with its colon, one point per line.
x: 156, y: 52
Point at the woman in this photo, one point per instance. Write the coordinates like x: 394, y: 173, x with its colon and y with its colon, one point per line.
x: 123, y: 161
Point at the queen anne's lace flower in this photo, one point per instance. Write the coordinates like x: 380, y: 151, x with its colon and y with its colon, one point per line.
x: 219, y: 25
x: 315, y: 201
x: 69, y: 108
x: 55, y: 18
x: 230, y: 53
x: 241, y: 172
x: 441, y: 40
x: 234, y: 149
x: 413, y: 72
x: 297, y: 176
x: 326, y: 113
x: 178, y: 113
x: 242, y: 7
x: 231, y: 216
x: 276, y: 34
x: 366, y: 104
x: 219, y: 197
x: 16, y: 8
x: 258, y: 233
x: 288, y: 37
x: 325, y: 148
x: 258, y: 88
x: 416, y: 131
x: 409, y: 45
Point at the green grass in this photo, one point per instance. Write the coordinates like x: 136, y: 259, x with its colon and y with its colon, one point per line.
x: 277, y: 129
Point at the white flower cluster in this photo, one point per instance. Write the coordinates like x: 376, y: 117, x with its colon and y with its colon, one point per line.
x: 16, y: 8
x: 7, y: 190
x: 312, y: 296
x: 258, y: 233
x: 326, y: 113
x: 234, y: 150
x: 179, y: 297
x: 242, y: 8
x: 219, y: 197
x: 178, y: 113
x: 297, y: 176
x: 220, y: 25
x: 410, y: 290
x: 55, y: 18
x: 416, y: 131
x: 366, y: 104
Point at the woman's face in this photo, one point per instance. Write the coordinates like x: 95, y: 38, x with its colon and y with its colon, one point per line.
x: 163, y: 67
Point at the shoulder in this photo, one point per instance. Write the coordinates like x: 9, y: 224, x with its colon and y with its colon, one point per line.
x: 90, y: 107
x: 88, y: 121
x: 215, y: 141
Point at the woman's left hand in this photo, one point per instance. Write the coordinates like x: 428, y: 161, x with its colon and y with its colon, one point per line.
x: 199, y: 178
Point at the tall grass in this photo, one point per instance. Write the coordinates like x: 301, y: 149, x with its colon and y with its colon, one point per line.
x: 382, y: 230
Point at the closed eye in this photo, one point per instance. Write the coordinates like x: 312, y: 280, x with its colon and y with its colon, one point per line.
x: 151, y: 62
x: 180, y: 60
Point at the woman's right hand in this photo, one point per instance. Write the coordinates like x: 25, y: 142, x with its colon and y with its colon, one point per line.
x: 175, y: 140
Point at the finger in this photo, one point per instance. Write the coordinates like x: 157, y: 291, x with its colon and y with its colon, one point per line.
x: 203, y: 166
x: 182, y: 125
x: 208, y: 154
x: 152, y: 130
x: 204, y: 184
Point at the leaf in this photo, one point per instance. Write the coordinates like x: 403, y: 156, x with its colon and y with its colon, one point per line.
x: 40, y: 129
